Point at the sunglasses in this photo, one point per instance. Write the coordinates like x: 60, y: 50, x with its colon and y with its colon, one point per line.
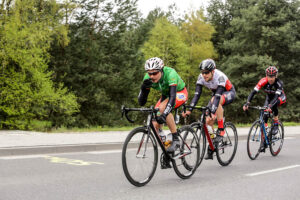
x: 153, y: 73
x: 271, y: 76
x: 205, y: 72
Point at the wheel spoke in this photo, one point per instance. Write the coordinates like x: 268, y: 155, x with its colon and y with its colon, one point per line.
x: 139, y: 157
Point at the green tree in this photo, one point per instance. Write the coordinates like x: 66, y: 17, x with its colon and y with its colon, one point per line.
x: 27, y: 92
x: 264, y: 33
x: 197, y: 34
x: 102, y: 59
x: 166, y: 41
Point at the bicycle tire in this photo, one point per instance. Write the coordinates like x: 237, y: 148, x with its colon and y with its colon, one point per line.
x: 276, y: 139
x: 254, y: 140
x: 230, y: 139
x: 202, y: 140
x: 133, y: 142
x: 186, y: 165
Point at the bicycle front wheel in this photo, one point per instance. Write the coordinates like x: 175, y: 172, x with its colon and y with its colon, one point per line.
x: 226, y: 149
x: 139, y: 156
x: 185, y: 159
x: 254, y: 141
x: 276, y: 141
x: 202, y: 140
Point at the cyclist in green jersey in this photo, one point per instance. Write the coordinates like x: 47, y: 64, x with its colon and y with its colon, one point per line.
x: 174, y: 94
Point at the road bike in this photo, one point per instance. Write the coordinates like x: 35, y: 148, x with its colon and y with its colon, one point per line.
x: 226, y: 149
x: 259, y: 138
x: 140, y: 150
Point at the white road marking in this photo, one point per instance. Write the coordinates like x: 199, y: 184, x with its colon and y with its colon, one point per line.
x: 38, y: 155
x: 289, y: 138
x: 69, y: 161
x: 272, y: 170
x: 21, y: 157
x: 104, y: 152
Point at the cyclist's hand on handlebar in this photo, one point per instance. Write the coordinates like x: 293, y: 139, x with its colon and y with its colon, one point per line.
x: 147, y: 83
x: 185, y: 114
x: 246, y: 106
x: 210, y: 115
x: 269, y: 109
x: 161, y: 119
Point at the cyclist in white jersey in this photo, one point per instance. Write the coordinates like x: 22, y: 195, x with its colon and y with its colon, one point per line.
x: 223, y: 94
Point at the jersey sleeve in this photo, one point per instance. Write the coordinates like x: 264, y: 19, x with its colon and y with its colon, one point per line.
x: 173, y: 78
x: 222, y: 81
x: 261, y: 84
x: 279, y: 87
x: 200, y: 80
x: 146, y: 76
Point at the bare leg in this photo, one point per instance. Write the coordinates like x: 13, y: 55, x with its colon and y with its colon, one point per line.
x: 170, y: 118
x: 219, y: 114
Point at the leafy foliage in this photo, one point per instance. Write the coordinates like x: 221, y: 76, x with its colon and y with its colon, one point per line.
x: 27, y: 91
x: 102, y: 60
x: 260, y: 34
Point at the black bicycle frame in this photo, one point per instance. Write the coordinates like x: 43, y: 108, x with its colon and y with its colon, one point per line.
x: 152, y: 115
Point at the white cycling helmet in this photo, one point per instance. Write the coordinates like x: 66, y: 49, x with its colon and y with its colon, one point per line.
x: 154, y: 63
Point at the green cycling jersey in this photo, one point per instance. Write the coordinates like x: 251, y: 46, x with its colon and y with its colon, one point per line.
x: 170, y: 78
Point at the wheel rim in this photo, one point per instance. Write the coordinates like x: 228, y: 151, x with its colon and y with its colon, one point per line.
x: 140, y: 160
x: 254, y: 141
x: 186, y: 165
x: 276, y: 141
x: 227, y: 148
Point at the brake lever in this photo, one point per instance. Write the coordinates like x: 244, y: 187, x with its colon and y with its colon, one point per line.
x: 123, y: 110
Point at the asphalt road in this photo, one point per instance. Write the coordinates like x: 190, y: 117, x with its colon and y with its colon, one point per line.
x: 99, y: 175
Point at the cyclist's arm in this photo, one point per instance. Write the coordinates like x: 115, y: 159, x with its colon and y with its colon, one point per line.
x: 197, y: 95
x: 261, y: 83
x: 218, y: 94
x: 273, y: 101
x: 251, y: 95
x: 172, y: 100
x: 277, y: 94
x: 143, y: 95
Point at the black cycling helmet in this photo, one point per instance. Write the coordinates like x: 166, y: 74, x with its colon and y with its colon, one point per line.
x: 207, y: 64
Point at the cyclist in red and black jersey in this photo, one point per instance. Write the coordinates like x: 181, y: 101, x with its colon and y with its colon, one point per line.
x: 275, y: 95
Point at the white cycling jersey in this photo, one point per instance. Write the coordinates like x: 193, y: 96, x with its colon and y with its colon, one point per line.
x: 219, y: 78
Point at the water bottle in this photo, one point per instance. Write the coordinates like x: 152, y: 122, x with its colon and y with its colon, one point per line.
x: 162, y: 135
x: 210, y: 131
x: 267, y: 128
x: 169, y: 140
x: 169, y: 137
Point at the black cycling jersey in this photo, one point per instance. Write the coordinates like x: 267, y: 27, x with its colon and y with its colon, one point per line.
x: 273, y: 91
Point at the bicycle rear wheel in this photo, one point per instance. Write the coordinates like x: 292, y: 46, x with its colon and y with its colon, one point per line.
x: 186, y: 158
x: 202, y: 140
x: 254, y: 141
x: 226, y: 149
x: 139, y: 156
x: 276, y: 141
